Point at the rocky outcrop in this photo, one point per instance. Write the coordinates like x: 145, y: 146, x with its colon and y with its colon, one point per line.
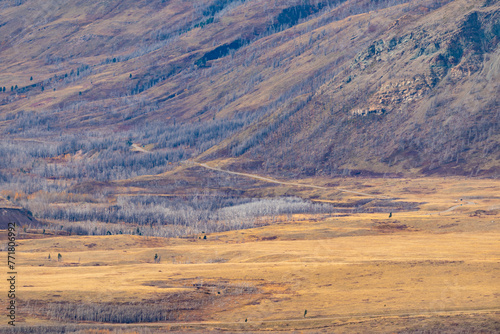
x: 455, y: 58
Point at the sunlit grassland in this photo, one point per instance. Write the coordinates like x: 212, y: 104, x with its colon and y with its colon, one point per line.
x: 357, y: 266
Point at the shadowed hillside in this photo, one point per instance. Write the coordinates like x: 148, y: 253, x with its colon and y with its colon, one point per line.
x: 10, y: 213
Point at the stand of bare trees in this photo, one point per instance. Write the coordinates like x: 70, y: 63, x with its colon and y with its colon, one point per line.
x: 152, y: 216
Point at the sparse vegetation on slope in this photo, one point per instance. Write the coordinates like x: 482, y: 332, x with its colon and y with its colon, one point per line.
x: 366, y: 79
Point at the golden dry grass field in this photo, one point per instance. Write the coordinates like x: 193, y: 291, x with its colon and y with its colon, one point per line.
x: 436, y: 269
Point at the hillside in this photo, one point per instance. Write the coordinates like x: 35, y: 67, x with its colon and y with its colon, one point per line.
x: 312, y: 88
x: 10, y: 213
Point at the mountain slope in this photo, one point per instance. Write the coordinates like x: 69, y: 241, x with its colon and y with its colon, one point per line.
x: 314, y: 87
x: 421, y: 96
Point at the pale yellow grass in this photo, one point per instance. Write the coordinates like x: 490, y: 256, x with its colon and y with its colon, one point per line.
x: 424, y: 263
x: 365, y: 275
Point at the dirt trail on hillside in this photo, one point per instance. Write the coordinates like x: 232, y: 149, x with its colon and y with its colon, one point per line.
x: 258, y: 177
x: 263, y: 178
x: 140, y: 149
x: 457, y: 206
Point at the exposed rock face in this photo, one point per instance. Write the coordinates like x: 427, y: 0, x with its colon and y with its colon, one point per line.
x: 461, y: 56
x: 374, y: 110
x: 382, y: 51
x: 393, y: 94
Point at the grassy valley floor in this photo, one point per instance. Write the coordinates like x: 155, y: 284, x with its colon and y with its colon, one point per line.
x: 437, y: 266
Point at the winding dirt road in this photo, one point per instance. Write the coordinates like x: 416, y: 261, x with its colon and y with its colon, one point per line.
x: 457, y: 206
x: 267, y: 179
x: 262, y: 178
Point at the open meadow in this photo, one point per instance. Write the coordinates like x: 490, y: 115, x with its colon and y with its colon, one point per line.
x: 435, y: 267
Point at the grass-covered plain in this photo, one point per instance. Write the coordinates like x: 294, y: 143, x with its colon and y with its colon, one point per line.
x: 351, y: 272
